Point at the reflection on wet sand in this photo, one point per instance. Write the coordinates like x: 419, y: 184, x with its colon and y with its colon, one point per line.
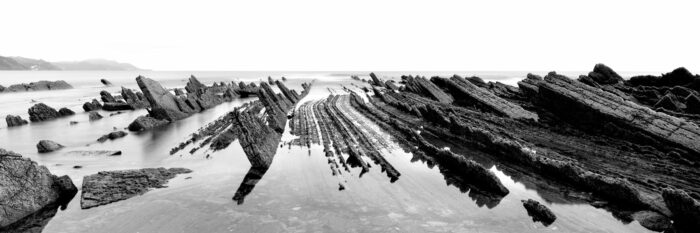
x: 254, y: 175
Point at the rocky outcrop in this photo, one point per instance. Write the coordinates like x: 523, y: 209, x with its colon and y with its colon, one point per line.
x: 45, y: 146
x: 603, y: 74
x: 112, y: 136
x: 539, y: 212
x: 146, y: 123
x: 93, y: 116
x: 678, y: 77
x: 470, y: 94
x: 111, y: 186
x: 13, y: 121
x: 92, y: 105
x: 163, y: 103
x: 421, y: 86
x: 135, y: 100
x: 685, y: 209
x: 37, y: 86
x: 42, y: 112
x: 376, y: 81
x: 29, y: 190
x: 593, y: 107
x: 107, y: 97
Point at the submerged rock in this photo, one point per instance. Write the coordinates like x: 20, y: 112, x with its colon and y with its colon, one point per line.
x: 110, y: 186
x: 93, y: 116
x: 13, y: 121
x: 28, y: 192
x: 45, y: 146
x: 92, y: 105
x: 146, y: 123
x: 106, y: 82
x: 112, y: 136
x: 539, y: 212
x: 42, y: 112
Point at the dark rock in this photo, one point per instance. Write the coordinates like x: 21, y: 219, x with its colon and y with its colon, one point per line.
x: 539, y: 212
x: 390, y: 85
x: 685, y: 209
x: 680, y: 92
x: 27, y: 189
x: 73, y: 122
x: 588, y: 81
x: 179, y: 91
x: 603, y: 74
x: 678, y: 77
x: 376, y: 81
x: 163, y: 103
x: 270, y: 81
x: 116, y: 106
x: 13, y: 121
x: 92, y: 106
x: 193, y: 85
x: 107, y: 97
x: 42, y: 112
x: 420, y: 85
x: 145, y: 123
x: 668, y: 102
x: 112, y: 136
x: 38, y: 86
x: 106, y: 82
x: 284, y: 79
x: 341, y: 187
x: 133, y: 99
x: 111, y: 186
x: 652, y: 220
x: 476, y: 81
x: 77, y: 167
x: 93, y: 116
x: 692, y: 103
x: 65, y: 112
x: 45, y: 146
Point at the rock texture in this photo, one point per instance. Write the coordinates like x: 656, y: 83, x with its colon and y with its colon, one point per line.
x: 28, y: 190
x: 37, y: 86
x: 45, y: 146
x: 13, y: 121
x: 42, y: 112
x: 539, y: 212
x: 111, y: 186
x: 422, y: 86
x: 145, y: 123
x: 685, y: 209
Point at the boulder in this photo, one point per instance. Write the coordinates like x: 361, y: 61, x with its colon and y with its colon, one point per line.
x: 106, y: 82
x: 112, y: 136
x: 685, y: 209
x: 42, y: 112
x: 93, y: 116
x: 692, y: 104
x: 146, y: 123
x: 92, y: 105
x: 28, y: 189
x: 45, y: 146
x: 111, y: 186
x: 107, y: 97
x: 162, y: 102
x: 603, y: 74
x: 539, y: 212
x: 13, y: 121
x: 65, y: 112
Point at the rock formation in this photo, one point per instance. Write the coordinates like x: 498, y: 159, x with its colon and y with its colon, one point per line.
x: 106, y: 82
x: 110, y: 186
x: 112, y: 136
x: 45, y: 146
x: 65, y: 112
x: 13, y: 121
x: 42, y: 112
x: 145, y: 123
x: 28, y: 190
x: 539, y: 212
x: 37, y: 86
x: 685, y: 209
x: 92, y: 105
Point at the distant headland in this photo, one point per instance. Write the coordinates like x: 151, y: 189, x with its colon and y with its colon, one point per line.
x: 23, y: 63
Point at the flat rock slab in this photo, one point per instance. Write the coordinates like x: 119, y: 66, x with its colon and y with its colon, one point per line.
x: 111, y: 186
x: 95, y: 152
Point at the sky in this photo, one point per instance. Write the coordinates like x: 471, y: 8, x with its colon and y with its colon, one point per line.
x: 324, y: 35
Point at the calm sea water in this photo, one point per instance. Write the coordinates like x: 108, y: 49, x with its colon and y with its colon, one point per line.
x: 298, y: 192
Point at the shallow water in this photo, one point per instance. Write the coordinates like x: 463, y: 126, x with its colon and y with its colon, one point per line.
x: 297, y: 194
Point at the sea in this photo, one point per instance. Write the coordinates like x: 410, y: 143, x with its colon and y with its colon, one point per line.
x: 297, y: 194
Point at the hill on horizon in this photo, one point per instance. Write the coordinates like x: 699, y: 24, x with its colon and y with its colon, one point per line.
x: 23, y: 63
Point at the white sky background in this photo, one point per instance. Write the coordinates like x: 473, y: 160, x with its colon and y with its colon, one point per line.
x: 358, y: 35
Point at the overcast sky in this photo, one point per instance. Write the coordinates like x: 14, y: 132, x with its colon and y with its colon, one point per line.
x: 358, y: 34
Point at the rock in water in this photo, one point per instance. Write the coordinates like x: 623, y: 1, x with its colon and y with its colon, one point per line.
x: 42, y: 112
x: 93, y: 116
x: 133, y: 99
x: 65, y: 112
x: 112, y: 136
x: 106, y: 82
x: 38, y: 86
x: 107, y: 97
x: 28, y: 188
x: 539, y: 212
x: 685, y: 209
x: 92, y: 106
x: 376, y: 81
x: 13, y: 121
x: 110, y: 186
x: 146, y: 123
x: 163, y: 103
x: 45, y: 146
x: 194, y: 85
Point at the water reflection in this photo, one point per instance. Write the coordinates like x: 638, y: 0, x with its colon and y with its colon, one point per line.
x: 36, y: 221
x: 252, y: 178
